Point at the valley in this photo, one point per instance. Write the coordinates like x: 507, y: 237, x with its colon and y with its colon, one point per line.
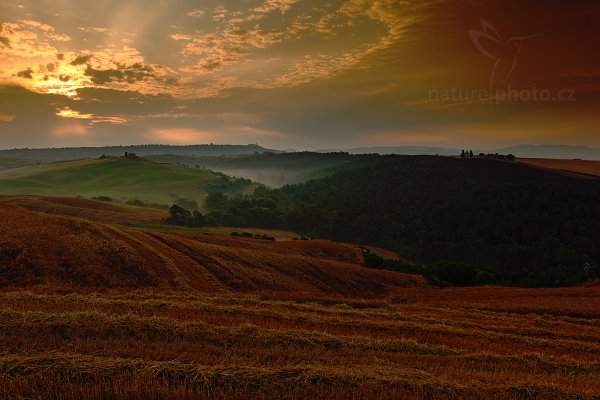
x: 103, y: 299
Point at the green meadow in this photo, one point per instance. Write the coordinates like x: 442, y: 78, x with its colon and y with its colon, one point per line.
x: 117, y: 178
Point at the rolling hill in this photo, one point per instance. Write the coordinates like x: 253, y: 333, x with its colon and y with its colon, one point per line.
x: 70, y: 252
x: 103, y: 311
x: 272, y: 169
x: 577, y: 168
x: 556, y: 151
x: 8, y: 163
x: 508, y: 222
x: 117, y: 178
x: 97, y: 211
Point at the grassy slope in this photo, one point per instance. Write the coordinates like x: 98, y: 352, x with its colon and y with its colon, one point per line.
x: 119, y: 179
x: 273, y: 170
x: 71, y: 252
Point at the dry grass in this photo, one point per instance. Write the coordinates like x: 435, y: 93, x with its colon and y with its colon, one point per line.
x: 92, y: 311
x: 97, y: 211
x: 56, y: 251
x: 151, y: 345
x: 577, y: 168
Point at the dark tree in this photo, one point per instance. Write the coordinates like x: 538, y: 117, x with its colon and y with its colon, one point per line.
x: 198, y: 220
x: 179, y: 215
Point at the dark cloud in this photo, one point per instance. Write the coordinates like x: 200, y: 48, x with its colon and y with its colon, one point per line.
x: 82, y: 59
x: 27, y: 73
x: 34, y: 115
x: 100, y: 77
x: 17, y: 100
x: 129, y: 74
x: 5, y: 42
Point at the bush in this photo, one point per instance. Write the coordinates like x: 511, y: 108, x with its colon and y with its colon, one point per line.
x: 183, y: 217
x: 103, y: 198
x: 485, y: 278
x: 448, y: 273
x: 136, y: 202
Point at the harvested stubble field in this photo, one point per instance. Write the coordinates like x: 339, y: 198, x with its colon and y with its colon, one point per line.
x: 577, y: 168
x: 211, y: 317
x: 150, y: 345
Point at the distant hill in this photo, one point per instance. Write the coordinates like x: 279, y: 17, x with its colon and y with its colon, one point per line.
x: 78, y: 153
x: 16, y: 156
x: 552, y: 151
x: 119, y: 179
x: 523, y: 150
x: 8, y: 163
x: 404, y: 150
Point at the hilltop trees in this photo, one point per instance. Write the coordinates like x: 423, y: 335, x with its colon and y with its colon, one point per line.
x: 181, y: 216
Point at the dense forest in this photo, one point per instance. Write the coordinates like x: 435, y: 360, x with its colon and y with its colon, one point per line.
x: 501, y: 221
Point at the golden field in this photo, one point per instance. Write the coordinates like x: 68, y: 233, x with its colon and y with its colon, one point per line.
x: 90, y: 310
x: 585, y: 169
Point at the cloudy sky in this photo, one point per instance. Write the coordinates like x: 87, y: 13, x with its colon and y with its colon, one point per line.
x: 302, y: 74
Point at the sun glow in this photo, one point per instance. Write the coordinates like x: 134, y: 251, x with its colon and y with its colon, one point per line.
x: 180, y: 135
x: 66, y: 112
x: 55, y: 86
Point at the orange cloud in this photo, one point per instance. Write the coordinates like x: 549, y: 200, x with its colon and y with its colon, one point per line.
x: 181, y: 36
x: 66, y: 112
x: 6, y: 118
x: 196, y: 13
x: 110, y: 119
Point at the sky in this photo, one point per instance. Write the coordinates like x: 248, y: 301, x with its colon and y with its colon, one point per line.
x: 301, y: 74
